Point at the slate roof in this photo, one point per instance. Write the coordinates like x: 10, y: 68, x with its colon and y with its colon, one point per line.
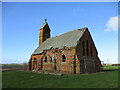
x: 68, y: 39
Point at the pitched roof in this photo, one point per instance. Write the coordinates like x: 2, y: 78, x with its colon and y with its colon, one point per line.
x: 68, y: 39
x: 45, y: 24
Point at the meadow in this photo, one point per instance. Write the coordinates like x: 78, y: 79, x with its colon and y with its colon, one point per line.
x: 23, y: 79
x: 110, y: 67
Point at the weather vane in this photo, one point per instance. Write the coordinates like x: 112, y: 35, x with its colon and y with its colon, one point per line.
x: 45, y: 20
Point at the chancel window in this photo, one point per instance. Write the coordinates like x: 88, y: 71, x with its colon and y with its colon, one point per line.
x: 91, y: 50
x: 87, y: 48
x: 83, y: 52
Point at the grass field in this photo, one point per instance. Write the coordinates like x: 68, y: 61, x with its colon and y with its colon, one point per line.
x: 110, y: 67
x: 6, y: 66
x: 22, y: 79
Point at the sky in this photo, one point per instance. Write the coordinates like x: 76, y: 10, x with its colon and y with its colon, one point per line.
x: 21, y: 22
x: 60, y: 0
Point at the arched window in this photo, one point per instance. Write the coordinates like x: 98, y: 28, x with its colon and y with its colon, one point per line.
x: 41, y: 63
x: 34, y: 59
x: 35, y: 63
x: 45, y: 59
x: 50, y: 59
x: 63, y: 58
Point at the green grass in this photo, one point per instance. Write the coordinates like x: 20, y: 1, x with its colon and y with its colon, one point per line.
x: 12, y: 66
x: 110, y: 67
x: 22, y: 79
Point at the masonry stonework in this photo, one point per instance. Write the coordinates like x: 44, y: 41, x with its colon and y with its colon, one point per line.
x: 71, y: 53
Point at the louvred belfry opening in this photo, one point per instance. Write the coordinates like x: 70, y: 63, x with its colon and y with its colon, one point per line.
x: 44, y: 33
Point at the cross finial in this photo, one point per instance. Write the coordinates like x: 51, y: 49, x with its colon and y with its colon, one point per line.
x: 45, y: 20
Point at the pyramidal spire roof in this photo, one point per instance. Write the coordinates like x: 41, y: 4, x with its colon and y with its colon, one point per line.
x: 45, y: 23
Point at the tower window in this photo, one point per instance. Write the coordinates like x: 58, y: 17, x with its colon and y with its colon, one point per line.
x: 63, y: 58
x: 46, y: 30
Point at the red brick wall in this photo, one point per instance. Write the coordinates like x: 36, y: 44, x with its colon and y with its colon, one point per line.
x: 64, y: 67
x: 74, y: 57
x: 79, y: 50
x: 44, y: 34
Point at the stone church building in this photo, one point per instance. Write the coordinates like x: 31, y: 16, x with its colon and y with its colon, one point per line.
x: 71, y: 53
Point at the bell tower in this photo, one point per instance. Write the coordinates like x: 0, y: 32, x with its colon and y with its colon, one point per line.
x: 44, y: 32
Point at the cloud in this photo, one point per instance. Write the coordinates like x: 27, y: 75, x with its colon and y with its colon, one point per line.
x: 112, y: 24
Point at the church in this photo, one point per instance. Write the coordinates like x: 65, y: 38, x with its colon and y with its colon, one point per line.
x: 73, y: 52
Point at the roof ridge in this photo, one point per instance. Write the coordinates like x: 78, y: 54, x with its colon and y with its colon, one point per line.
x: 71, y: 31
x: 81, y: 29
x: 44, y: 25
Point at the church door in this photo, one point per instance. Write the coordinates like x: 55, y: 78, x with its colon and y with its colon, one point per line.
x: 87, y: 66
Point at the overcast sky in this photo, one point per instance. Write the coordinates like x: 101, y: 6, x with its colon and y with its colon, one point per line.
x: 22, y: 21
